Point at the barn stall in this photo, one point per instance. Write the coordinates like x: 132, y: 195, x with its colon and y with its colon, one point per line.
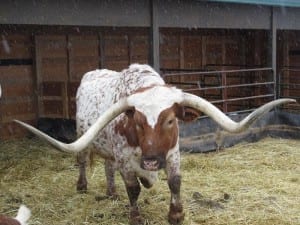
x: 238, y: 64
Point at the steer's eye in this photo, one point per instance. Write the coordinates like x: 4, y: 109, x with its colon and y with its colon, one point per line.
x: 170, y: 122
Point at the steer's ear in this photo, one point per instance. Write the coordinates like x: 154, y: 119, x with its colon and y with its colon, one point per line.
x: 185, y: 113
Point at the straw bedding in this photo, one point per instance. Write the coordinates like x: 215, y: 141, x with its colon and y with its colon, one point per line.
x: 250, y: 183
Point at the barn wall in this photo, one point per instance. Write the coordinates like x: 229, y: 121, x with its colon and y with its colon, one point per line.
x: 63, y: 59
x: 41, y: 67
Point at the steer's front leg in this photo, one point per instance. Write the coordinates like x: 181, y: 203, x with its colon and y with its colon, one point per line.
x: 133, y: 189
x: 176, y: 214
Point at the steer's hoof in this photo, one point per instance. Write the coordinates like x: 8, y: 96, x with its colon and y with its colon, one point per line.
x: 135, y: 217
x: 112, y: 194
x: 81, y: 188
x: 137, y: 221
x: 176, y: 219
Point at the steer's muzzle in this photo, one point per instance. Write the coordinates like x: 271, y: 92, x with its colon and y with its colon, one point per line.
x: 153, y: 163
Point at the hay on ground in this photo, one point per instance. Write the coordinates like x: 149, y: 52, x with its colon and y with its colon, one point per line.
x: 255, y: 183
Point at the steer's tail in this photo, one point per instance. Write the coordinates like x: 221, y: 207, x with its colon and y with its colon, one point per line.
x: 23, y: 215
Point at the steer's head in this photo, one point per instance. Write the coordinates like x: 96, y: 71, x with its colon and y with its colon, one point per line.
x: 151, y: 123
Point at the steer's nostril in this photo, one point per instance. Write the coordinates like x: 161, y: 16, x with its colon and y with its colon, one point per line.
x: 150, y: 164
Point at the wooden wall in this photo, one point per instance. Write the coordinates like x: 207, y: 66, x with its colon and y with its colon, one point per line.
x: 17, y: 82
x: 40, y: 71
x: 64, y: 59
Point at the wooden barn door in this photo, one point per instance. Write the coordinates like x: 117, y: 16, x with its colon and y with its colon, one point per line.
x: 52, y: 75
x: 83, y: 56
x: 61, y: 62
x: 17, y: 83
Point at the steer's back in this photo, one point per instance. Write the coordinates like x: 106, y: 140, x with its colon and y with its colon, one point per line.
x: 98, y: 90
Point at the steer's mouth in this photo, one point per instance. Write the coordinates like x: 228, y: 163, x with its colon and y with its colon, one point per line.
x: 153, y: 163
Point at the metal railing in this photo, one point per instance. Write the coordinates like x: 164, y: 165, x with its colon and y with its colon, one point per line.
x: 235, y: 90
x: 289, y: 86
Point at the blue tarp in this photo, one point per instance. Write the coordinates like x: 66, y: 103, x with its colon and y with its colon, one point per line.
x: 284, y: 3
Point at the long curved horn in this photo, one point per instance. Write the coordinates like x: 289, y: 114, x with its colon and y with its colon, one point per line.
x: 223, y: 120
x: 87, y: 137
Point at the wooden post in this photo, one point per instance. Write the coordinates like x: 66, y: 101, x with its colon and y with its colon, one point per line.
x: 154, y: 36
x: 65, y: 95
x: 224, y: 76
x: 38, y: 78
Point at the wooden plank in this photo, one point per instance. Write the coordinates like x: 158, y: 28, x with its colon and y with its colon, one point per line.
x: 52, y: 89
x: 118, y: 65
x: 139, y: 49
x: 17, y: 89
x: 17, y: 108
x: 82, y: 65
x: 53, y: 75
x: 38, y: 74
x: 52, y: 46
x: 84, y: 45
x: 54, y: 107
x: 192, y: 52
x: 73, y: 86
x: 17, y: 74
x: 16, y: 46
x: 54, y: 69
x: 12, y: 130
x: 116, y: 46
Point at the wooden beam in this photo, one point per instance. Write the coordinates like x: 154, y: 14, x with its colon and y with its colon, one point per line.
x: 154, y: 35
x: 38, y: 75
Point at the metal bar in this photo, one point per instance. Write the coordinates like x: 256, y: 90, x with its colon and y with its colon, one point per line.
x: 223, y: 75
x: 292, y: 70
x: 244, y: 98
x: 289, y: 84
x: 232, y: 113
x: 183, y: 83
x: 230, y: 86
x: 295, y: 97
x: 219, y: 72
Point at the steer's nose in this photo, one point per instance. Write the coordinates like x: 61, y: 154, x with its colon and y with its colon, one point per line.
x: 152, y: 163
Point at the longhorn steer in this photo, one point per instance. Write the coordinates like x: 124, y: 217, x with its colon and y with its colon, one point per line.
x: 131, y: 119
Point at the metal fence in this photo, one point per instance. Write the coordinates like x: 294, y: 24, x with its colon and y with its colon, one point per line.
x: 232, y: 90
